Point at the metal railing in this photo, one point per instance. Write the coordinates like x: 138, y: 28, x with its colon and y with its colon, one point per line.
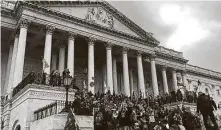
x: 29, y: 79
x: 39, y: 78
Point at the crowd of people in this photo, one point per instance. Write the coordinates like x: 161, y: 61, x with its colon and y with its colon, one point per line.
x: 113, y: 112
x: 118, y: 111
x: 83, y: 103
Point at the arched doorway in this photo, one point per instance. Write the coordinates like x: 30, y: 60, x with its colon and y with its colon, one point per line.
x: 18, y: 127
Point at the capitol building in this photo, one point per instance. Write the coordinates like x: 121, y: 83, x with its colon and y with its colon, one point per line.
x: 101, y: 47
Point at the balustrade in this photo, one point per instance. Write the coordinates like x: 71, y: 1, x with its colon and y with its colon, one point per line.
x: 51, y: 109
x: 39, y: 78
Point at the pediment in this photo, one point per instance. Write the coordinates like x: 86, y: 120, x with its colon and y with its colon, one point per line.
x: 97, y: 12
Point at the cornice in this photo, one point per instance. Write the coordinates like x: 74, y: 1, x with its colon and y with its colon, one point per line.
x: 146, y: 41
x: 204, y: 80
x: 171, y: 58
x: 203, y: 74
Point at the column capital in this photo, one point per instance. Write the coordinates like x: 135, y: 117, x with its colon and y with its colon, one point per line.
x: 72, y: 35
x: 24, y: 23
x: 184, y: 72
x: 125, y: 49
x: 164, y: 67
x: 174, y: 69
x: 91, y: 40
x: 139, y: 53
x: 49, y: 29
x: 62, y: 44
x: 152, y: 57
x: 109, y: 45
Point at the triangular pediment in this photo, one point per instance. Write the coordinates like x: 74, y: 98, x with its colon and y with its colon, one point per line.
x: 100, y: 13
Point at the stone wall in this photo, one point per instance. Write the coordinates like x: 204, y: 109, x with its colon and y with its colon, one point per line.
x: 54, y: 122
x: 31, y: 98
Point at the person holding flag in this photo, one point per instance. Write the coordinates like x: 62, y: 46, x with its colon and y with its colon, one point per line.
x: 45, y: 63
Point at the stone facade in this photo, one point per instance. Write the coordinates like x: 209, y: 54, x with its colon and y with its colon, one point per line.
x: 99, y: 34
x: 20, y: 109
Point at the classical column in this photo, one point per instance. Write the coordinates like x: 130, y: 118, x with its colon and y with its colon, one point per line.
x: 54, y: 61
x: 8, y: 70
x: 184, y: 82
x: 70, y: 64
x: 47, y: 49
x: 61, y: 64
x: 115, y: 75
x: 131, y: 81
x: 19, y: 62
x: 91, y: 65
x: 154, y: 76
x: 125, y: 72
x: 141, y: 84
x: 174, y: 77
x: 109, y: 67
x: 164, y: 75
x: 12, y: 66
x: 184, y: 78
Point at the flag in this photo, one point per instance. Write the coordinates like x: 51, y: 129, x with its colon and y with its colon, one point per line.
x: 45, y: 64
x: 105, y: 87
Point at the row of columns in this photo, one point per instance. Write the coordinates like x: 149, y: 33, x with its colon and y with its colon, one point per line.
x: 17, y: 64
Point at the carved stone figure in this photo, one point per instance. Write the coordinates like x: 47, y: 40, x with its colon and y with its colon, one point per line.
x: 99, y: 16
x: 90, y: 15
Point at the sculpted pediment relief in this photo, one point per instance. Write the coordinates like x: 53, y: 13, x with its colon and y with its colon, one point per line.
x: 99, y: 16
x: 95, y: 14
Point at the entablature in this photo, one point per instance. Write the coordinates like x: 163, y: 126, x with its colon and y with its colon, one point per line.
x: 171, y: 64
x: 203, y: 80
x: 203, y: 72
x: 166, y: 53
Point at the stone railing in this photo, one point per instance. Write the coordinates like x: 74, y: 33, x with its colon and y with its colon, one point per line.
x: 51, y: 109
x: 8, y: 4
x: 167, y: 51
x: 203, y: 71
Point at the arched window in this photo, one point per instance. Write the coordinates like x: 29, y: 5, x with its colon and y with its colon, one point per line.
x: 18, y: 127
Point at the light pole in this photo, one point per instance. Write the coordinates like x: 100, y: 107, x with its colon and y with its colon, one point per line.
x: 67, y: 80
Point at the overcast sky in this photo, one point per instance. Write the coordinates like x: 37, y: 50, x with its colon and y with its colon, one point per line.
x: 193, y: 28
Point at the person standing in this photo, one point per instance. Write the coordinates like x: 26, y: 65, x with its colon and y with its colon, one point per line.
x: 206, y: 107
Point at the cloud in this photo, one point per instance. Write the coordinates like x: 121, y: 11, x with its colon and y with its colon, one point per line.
x: 191, y: 27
